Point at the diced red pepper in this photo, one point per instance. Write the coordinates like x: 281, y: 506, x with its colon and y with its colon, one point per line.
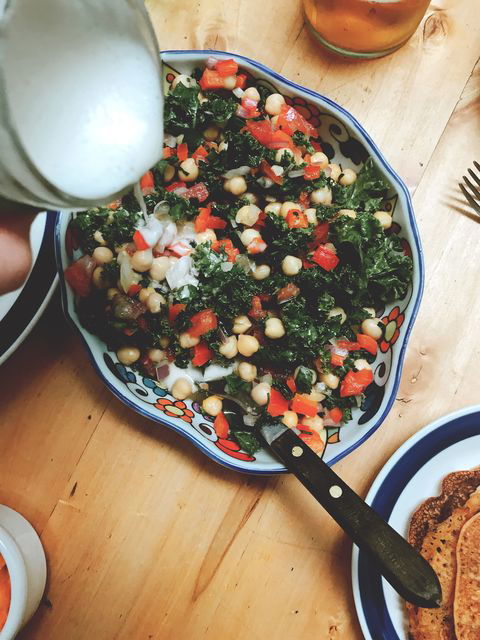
x: 214, y: 222
x: 182, y: 151
x: 270, y: 173
x: 303, y: 405
x: 348, y: 345
x: 231, y: 251
x: 226, y: 67
x: 147, y: 183
x: 367, y: 343
x: 261, y: 130
x: 200, y: 153
x: 241, y: 82
x: 306, y: 264
x: 260, y: 221
x: 355, y: 382
x: 211, y: 79
x: 167, y: 152
x: 139, y: 241
x: 319, y: 235
x: 79, y: 275
x: 175, y: 185
x: 257, y: 245
x: 202, y: 322
x: 304, y: 199
x: 115, y: 204
x: 277, y: 404
x: 291, y: 384
x: 336, y: 414
x: 325, y: 258
x: 280, y: 140
x: 133, y: 289
x: 205, y: 220
x: 174, y: 310
x: 290, y: 120
x: 221, y: 425
x: 336, y: 360
x: 316, y: 145
x: 257, y: 312
x: 201, y: 354
x: 198, y: 191
x: 312, y: 172
x: 296, y: 219
x: 312, y: 439
x: 287, y: 292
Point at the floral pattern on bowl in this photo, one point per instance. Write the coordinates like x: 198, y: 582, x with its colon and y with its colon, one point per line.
x: 347, y: 143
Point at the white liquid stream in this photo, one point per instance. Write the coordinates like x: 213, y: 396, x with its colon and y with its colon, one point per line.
x: 84, y: 92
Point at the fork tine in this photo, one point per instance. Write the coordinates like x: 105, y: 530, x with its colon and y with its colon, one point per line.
x: 477, y: 166
x: 469, y: 198
x: 474, y: 176
x: 472, y: 187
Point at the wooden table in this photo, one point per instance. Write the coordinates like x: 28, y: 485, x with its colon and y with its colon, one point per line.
x: 148, y: 539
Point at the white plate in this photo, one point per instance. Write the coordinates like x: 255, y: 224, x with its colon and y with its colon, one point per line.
x: 21, y: 309
x: 413, y: 474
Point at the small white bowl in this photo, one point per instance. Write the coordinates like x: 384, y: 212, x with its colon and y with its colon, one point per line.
x: 23, y: 553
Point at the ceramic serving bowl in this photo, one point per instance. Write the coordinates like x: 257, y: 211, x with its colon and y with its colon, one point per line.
x: 344, y: 140
x: 24, y: 556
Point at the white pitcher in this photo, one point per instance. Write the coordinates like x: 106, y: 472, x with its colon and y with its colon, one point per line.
x: 80, y: 100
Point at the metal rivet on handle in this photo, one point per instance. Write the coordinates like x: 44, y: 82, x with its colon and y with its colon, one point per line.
x: 297, y: 452
x: 335, y: 491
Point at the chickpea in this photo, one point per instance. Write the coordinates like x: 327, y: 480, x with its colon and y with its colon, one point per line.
x: 156, y: 355
x: 361, y: 363
x: 273, y: 207
x: 330, y: 379
x: 251, y: 197
x: 337, y: 311
x: 247, y: 345
x: 251, y: 93
x: 144, y: 293
x: 291, y: 265
x: 315, y: 423
x: 247, y: 371
x: 98, y: 280
x: 187, y: 341
x: 350, y: 213
x: 371, y: 328
x: 211, y: 133
x: 182, y: 388
x: 142, y: 260
x: 112, y: 292
x: 188, y: 170
x: 319, y: 158
x: 370, y: 311
x: 154, y: 302
x: 159, y: 268
x: 261, y: 272
x: 248, y: 236
x: 274, y: 328
x: 261, y: 393
x: 288, y: 206
x: 98, y: 237
x: 384, y: 218
x: 168, y: 173
x: 241, y: 324
x: 290, y: 419
x: 236, y: 185
x: 274, y: 103
x: 128, y: 355
x: 229, y: 348
x: 311, y: 215
x: 316, y: 396
x: 206, y: 236
x: 164, y: 342
x: 182, y: 78
x: 102, y: 255
x: 321, y: 196
x: 336, y: 172
x: 248, y: 215
x: 281, y: 153
x: 230, y: 82
x: 348, y: 177
x: 212, y: 405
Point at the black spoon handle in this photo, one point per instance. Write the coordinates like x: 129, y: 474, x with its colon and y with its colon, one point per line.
x: 405, y: 569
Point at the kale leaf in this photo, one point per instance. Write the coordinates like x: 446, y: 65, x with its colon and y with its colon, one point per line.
x: 181, y: 109
x: 366, y: 193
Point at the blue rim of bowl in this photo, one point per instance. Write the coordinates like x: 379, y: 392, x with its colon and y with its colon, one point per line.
x: 397, y: 182
x: 35, y: 295
x: 370, y: 603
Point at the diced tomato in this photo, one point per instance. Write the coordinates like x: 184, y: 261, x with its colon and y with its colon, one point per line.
x: 227, y: 67
x: 270, y: 173
x: 173, y: 312
x: 303, y: 405
x: 147, y: 183
x: 198, y: 191
x: 221, y: 425
x: 288, y: 292
x: 257, y: 245
x: 355, y: 382
x: 79, y: 275
x: 241, y: 81
x: 182, y: 151
x: 325, y: 258
x: 319, y: 235
x: 201, y: 354
x: 202, y: 322
x: 336, y: 360
x: 139, y: 241
x: 211, y: 79
x: 367, y: 343
x: 175, y: 185
x: 277, y: 404
x: 231, y: 251
x: 167, y: 152
x: 257, y: 312
x: 296, y: 219
x: 336, y: 414
x: 133, y: 289
x: 290, y: 120
x: 291, y: 384
x: 316, y: 145
x: 348, y: 345
x: 312, y: 172
x: 200, y: 153
x: 261, y: 130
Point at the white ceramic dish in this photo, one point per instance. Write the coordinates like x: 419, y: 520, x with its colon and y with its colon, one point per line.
x: 23, y: 553
x: 344, y: 139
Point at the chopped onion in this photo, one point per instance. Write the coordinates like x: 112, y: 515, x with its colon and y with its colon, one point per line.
x: 137, y: 192
x: 266, y: 183
x: 211, y: 62
x: 249, y: 419
x: 179, y: 191
x: 169, y: 140
x: 327, y: 171
x: 127, y: 274
x: 277, y: 169
x: 242, y: 112
x: 296, y: 173
x: 179, y: 138
x: 238, y: 92
x: 238, y: 171
x: 249, y: 103
x: 162, y: 208
x: 244, y: 262
x: 343, y: 353
x: 226, y: 266
x: 162, y: 372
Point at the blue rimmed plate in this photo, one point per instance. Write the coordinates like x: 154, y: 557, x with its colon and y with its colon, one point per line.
x: 346, y: 142
x: 413, y: 474
x: 21, y: 309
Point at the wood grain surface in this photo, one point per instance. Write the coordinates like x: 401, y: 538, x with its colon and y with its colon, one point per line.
x: 146, y: 538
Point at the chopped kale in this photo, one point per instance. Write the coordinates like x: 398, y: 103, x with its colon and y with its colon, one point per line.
x: 366, y: 193
x: 116, y: 227
x: 248, y: 441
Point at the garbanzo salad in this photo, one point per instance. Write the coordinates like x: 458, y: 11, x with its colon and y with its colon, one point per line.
x: 255, y: 267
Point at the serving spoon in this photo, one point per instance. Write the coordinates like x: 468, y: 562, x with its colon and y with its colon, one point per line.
x: 400, y: 564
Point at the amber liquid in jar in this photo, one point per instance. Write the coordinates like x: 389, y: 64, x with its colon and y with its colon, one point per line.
x: 364, y: 28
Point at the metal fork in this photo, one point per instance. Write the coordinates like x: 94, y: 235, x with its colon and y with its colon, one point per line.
x: 473, y: 201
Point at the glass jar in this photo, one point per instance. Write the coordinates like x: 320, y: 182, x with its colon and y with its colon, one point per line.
x: 364, y: 28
